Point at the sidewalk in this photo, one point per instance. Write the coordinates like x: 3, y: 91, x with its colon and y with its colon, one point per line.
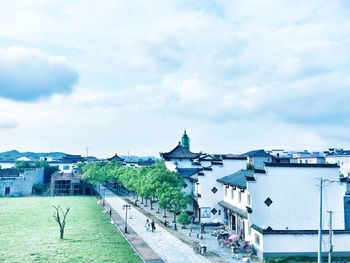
x: 215, y: 253
x: 168, y: 247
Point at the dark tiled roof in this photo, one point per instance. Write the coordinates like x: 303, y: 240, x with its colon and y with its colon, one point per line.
x: 339, y: 153
x: 237, y: 179
x: 116, y: 158
x: 234, y: 209
x: 71, y: 158
x: 257, y: 153
x: 10, y: 172
x: 271, y: 231
x: 179, y: 152
x: 187, y: 172
x: 303, y: 165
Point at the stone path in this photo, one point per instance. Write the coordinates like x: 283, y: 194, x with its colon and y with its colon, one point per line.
x: 168, y: 247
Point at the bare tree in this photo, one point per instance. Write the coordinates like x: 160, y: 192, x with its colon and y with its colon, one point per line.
x: 60, y: 217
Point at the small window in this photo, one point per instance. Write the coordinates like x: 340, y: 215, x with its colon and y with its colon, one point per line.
x: 248, y: 199
x: 65, y: 167
x: 249, y: 230
x: 257, y: 239
x: 219, y: 212
x: 239, y: 196
x: 225, y: 191
x: 232, y: 193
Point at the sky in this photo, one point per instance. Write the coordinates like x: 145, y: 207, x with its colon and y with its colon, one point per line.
x: 129, y: 76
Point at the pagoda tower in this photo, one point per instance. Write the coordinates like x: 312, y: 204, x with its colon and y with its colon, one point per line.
x: 185, y: 141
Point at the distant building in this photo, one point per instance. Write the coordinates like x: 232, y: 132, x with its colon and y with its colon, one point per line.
x: 258, y: 158
x: 69, y: 184
x: 67, y: 163
x: 19, y: 182
x: 116, y: 158
x: 340, y: 157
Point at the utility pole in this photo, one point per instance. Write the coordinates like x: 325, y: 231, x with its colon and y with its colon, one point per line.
x: 330, y: 237
x: 319, y: 254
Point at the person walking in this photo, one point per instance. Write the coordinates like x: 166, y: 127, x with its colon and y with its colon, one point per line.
x: 153, y: 226
x: 147, y: 225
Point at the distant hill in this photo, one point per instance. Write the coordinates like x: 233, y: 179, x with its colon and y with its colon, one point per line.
x: 14, y: 154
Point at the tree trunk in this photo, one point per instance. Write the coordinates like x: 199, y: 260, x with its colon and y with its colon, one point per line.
x: 61, y: 233
x: 141, y: 199
x: 146, y: 201
x: 151, y: 202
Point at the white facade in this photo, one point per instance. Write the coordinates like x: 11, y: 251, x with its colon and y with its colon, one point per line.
x: 294, y: 207
x: 288, y: 225
x: 208, y: 199
x: 342, y: 161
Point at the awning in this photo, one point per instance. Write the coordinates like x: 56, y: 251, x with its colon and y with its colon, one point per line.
x: 234, y: 209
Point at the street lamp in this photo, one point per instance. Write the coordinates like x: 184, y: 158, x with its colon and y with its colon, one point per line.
x: 104, y: 196
x: 126, y: 207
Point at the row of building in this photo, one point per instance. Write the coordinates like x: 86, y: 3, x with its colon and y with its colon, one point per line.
x: 270, y: 198
x: 65, y: 181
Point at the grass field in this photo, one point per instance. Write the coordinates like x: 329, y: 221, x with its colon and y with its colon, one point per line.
x: 28, y: 232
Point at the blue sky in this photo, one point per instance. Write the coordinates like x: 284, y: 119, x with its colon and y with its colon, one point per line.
x: 119, y: 76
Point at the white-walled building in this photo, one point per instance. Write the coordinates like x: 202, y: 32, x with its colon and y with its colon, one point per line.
x: 207, y: 191
x: 278, y: 211
x: 340, y: 157
x: 258, y: 158
x: 200, y: 172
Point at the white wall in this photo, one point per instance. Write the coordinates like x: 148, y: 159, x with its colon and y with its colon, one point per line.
x: 259, y: 162
x: 235, y: 200
x: 295, y: 198
x: 208, y: 181
x: 342, y: 161
x: 304, y: 243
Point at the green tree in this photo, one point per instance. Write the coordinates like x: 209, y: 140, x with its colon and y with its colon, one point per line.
x: 184, y: 219
x: 175, y: 200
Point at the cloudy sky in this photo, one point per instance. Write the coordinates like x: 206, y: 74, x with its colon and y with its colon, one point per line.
x: 119, y: 76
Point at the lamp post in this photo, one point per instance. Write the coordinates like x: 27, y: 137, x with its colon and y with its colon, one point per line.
x: 104, y: 196
x: 126, y: 207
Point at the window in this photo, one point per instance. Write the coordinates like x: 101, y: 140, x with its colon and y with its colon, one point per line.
x: 249, y: 230
x: 232, y: 193
x: 248, y: 199
x: 225, y: 191
x: 239, y: 196
x: 65, y: 167
x: 257, y: 239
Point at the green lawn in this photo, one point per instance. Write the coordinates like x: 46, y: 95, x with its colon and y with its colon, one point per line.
x: 28, y: 232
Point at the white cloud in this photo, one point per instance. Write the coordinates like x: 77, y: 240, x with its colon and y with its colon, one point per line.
x: 29, y: 74
x: 225, y: 64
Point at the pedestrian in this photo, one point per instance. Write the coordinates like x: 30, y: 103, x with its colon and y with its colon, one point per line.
x: 147, y: 225
x: 110, y: 213
x: 153, y: 226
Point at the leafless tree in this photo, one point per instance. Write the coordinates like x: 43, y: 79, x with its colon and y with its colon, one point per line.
x: 60, y: 216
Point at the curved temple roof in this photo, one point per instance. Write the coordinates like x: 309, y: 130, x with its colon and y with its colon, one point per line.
x: 179, y: 152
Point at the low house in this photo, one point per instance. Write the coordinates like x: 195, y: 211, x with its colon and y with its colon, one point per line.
x: 278, y: 210
x: 19, y: 182
x: 69, y: 184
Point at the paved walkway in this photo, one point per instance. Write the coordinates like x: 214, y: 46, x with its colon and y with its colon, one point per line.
x: 168, y: 247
